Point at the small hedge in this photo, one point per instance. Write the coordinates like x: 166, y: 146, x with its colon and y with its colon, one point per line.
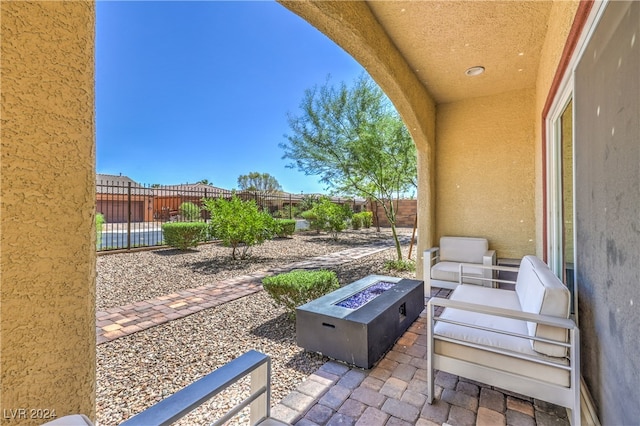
x: 189, y: 211
x: 314, y: 224
x: 286, y: 227
x: 367, y: 219
x: 183, y: 235
x: 400, y: 265
x: 296, y: 288
x: 99, y: 222
x: 356, y: 221
x: 327, y: 216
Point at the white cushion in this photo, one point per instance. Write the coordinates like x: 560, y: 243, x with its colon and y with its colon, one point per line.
x: 541, y: 292
x: 463, y: 249
x: 450, y: 271
x: 495, y: 298
x: 488, y: 297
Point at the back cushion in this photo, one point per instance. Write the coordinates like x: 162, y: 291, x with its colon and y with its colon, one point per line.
x: 541, y: 292
x: 463, y: 249
x: 525, y: 288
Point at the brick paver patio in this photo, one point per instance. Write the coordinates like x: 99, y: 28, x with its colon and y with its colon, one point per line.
x: 392, y: 393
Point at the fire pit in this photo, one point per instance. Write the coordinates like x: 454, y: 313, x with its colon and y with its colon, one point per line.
x: 359, y: 322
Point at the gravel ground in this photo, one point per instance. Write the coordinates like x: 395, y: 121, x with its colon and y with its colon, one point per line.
x: 141, y: 369
x: 131, y: 277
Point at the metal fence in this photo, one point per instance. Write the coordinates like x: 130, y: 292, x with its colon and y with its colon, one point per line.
x: 133, y: 213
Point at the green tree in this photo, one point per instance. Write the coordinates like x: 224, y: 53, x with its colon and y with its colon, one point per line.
x: 354, y: 139
x: 205, y: 182
x: 263, y: 183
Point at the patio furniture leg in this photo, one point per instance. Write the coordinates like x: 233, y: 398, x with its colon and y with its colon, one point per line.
x: 430, y: 377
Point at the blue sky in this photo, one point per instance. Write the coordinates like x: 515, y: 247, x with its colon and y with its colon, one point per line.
x: 201, y: 90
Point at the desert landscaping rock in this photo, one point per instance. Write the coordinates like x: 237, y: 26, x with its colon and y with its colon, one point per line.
x: 136, y: 371
x: 125, y: 278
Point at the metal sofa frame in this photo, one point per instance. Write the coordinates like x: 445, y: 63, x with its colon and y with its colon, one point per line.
x: 568, y: 397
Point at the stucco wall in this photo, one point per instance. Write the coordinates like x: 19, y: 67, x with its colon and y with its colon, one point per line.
x: 485, y: 171
x: 607, y: 167
x: 561, y: 18
x: 47, y: 239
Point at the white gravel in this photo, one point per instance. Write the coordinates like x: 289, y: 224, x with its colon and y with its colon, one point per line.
x: 138, y: 370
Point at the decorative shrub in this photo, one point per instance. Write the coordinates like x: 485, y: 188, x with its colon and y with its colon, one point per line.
x: 183, y: 235
x: 327, y: 216
x: 336, y: 217
x: 288, y: 212
x: 400, y: 265
x: 367, y: 219
x: 356, y: 221
x: 189, y: 211
x: 286, y: 227
x: 239, y: 224
x: 347, y: 211
x: 298, y: 287
x: 314, y: 223
x: 99, y: 222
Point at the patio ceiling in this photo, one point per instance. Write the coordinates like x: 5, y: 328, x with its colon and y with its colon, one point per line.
x: 442, y: 39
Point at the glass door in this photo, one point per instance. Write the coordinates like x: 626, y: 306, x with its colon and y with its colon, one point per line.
x: 560, y: 192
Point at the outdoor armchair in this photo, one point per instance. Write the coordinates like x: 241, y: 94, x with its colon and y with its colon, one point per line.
x: 442, y: 264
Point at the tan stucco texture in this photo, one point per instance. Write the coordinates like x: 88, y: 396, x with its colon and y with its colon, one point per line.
x: 561, y: 18
x: 485, y: 171
x: 47, y: 236
x: 441, y: 39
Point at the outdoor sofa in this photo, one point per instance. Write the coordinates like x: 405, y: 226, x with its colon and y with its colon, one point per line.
x: 520, y: 340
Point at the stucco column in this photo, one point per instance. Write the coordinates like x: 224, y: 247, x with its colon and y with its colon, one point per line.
x: 426, y: 204
x: 47, y: 190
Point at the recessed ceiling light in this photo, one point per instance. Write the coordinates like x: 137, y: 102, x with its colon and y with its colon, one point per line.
x: 474, y: 71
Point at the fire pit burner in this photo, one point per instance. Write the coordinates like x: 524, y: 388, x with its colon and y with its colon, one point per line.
x: 364, y: 296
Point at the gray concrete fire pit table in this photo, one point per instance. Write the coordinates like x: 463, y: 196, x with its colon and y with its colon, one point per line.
x: 346, y: 326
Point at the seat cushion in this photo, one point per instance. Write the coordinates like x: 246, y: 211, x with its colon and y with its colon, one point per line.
x: 492, y: 297
x: 541, y: 292
x: 450, y: 271
x: 495, y: 298
x: 463, y: 249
